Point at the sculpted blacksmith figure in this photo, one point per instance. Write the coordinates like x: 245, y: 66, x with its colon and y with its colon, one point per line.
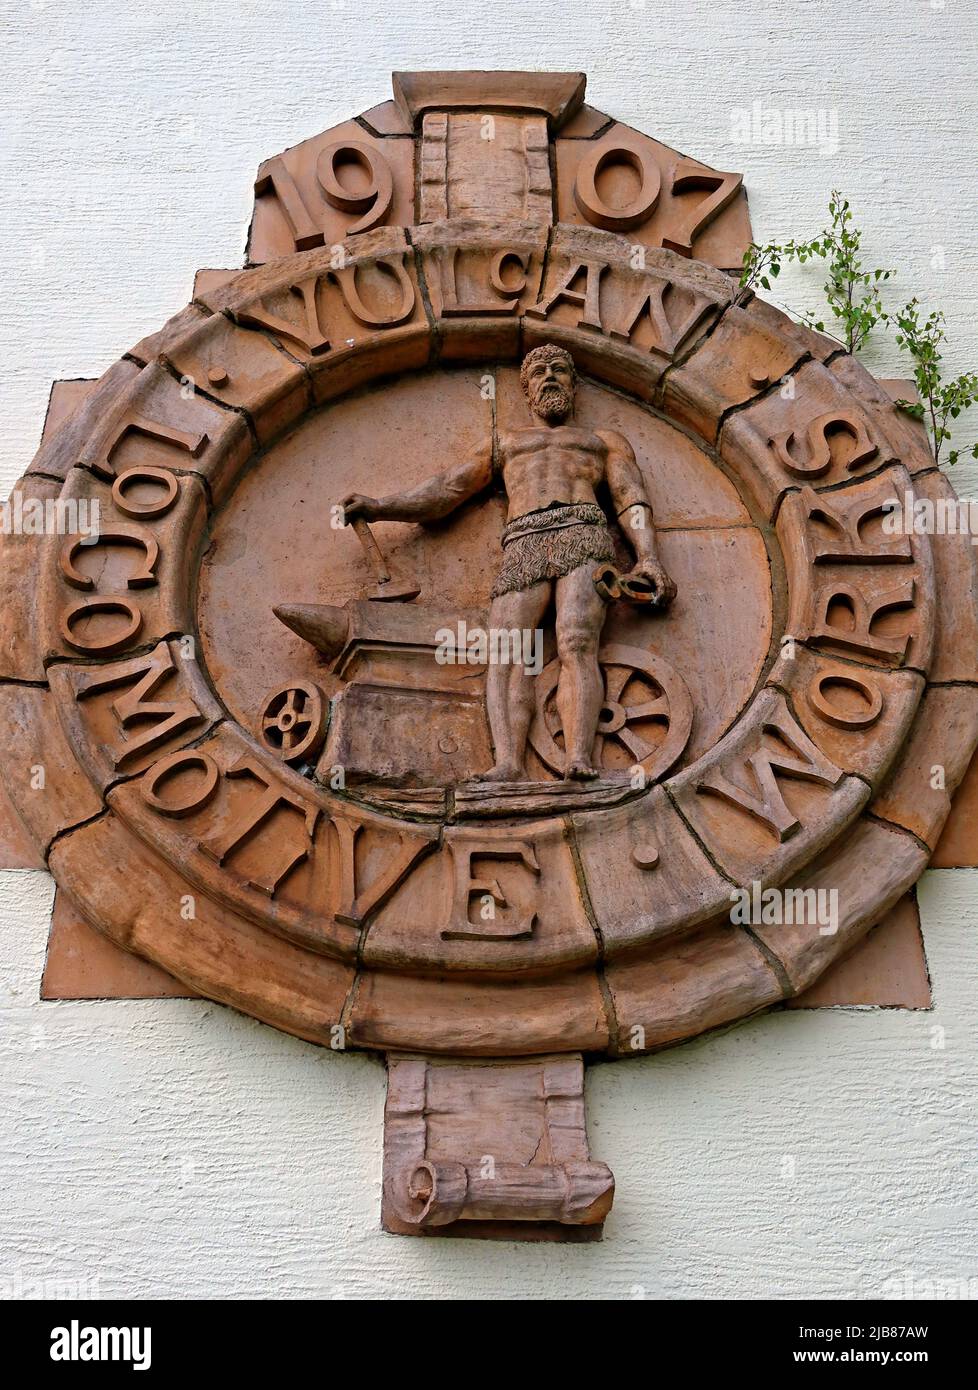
x: 556, y: 534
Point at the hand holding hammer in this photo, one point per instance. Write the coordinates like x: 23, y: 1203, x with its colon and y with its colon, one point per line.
x: 356, y: 510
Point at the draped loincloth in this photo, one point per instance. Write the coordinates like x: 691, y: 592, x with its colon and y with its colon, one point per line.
x: 548, y: 544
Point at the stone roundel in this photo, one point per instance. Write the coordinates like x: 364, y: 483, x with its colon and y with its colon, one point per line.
x: 182, y: 836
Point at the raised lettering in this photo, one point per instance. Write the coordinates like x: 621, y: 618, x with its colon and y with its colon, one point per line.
x: 465, y: 886
x: 863, y: 612
x: 194, y: 799
x: 100, y: 462
x: 248, y: 820
x: 845, y: 517
x: 120, y: 534
x: 835, y: 714
x: 394, y: 266
x: 89, y: 607
x: 592, y: 206
x: 502, y: 305
x: 793, y: 754
x: 818, y: 436
x: 357, y: 900
x: 587, y: 299
x: 274, y: 177
x: 308, y: 334
x: 132, y: 478
x: 169, y: 717
x: 375, y: 201
x: 721, y: 189
x: 652, y: 305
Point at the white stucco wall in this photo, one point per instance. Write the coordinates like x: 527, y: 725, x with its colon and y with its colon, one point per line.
x: 174, y: 1148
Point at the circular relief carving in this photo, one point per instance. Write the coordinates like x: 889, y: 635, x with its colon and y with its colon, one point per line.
x: 293, y: 721
x: 645, y: 718
x: 367, y: 874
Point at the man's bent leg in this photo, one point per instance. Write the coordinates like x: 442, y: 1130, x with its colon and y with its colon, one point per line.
x: 580, y: 690
x: 509, y: 685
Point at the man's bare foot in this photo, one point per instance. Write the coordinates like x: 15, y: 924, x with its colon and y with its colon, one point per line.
x: 579, y: 770
x: 500, y: 772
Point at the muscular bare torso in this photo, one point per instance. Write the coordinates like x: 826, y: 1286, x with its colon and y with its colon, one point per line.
x: 543, y: 465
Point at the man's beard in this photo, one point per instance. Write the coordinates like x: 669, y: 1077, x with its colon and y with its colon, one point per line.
x: 553, y: 403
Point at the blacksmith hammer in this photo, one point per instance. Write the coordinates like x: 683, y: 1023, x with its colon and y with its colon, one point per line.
x: 385, y: 589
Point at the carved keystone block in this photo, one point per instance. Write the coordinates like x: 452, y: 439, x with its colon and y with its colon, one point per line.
x: 477, y: 164
x: 481, y: 274
x: 493, y: 1149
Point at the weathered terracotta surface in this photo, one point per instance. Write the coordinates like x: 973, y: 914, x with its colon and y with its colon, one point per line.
x: 154, y: 345
x: 481, y: 273
x: 806, y: 429
x: 318, y: 192
x: 21, y: 640
x: 735, y: 838
x: 556, y: 95
x: 81, y: 963
x: 345, y: 323
x: 744, y: 679
x: 206, y: 280
x: 752, y: 834
x: 64, y: 400
x: 625, y: 324
x: 887, y: 969
x: 48, y: 788
x: 386, y: 118
x: 347, y: 447
x: 17, y: 848
x: 243, y: 831
x: 115, y: 735
x: 908, y: 434
x: 477, y: 1018
x: 870, y: 873
x: 615, y: 177
x: 243, y: 370
x: 442, y: 1120
x: 61, y: 446
x: 646, y: 873
x: 151, y: 421
x: 917, y: 794
x: 855, y: 590
x: 958, y: 843
x: 456, y: 179
x: 709, y: 978
x: 224, y: 957
x: 126, y: 589
x: 414, y: 921
x: 749, y: 350
x: 845, y: 708
x: 531, y: 931
x: 585, y: 124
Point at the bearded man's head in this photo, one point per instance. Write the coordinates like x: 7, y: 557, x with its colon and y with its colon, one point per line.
x: 548, y: 379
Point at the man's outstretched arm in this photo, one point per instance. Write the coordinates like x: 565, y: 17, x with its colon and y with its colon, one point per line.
x: 430, y: 500
x: 634, y: 512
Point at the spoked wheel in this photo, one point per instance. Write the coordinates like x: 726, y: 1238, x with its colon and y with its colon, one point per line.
x: 293, y: 721
x: 645, y: 719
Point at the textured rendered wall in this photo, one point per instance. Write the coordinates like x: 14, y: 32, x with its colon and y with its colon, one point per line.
x: 174, y: 1148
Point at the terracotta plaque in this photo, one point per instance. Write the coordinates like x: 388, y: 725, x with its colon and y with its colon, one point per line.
x: 476, y: 633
